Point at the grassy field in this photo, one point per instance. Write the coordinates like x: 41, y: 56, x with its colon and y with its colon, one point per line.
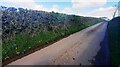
x: 114, y: 40
x: 23, y: 42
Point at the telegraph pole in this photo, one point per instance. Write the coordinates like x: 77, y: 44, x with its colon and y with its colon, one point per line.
x: 115, y: 12
x: 117, y: 8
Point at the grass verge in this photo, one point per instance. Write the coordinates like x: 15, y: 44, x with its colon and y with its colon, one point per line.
x: 23, y: 43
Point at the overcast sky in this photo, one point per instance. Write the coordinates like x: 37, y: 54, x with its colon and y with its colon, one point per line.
x: 94, y: 8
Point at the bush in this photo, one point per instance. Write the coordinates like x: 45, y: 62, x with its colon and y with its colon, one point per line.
x: 114, y: 40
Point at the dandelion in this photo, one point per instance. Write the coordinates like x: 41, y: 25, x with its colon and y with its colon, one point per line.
x: 29, y: 47
x: 7, y: 57
x: 17, y: 52
x: 16, y: 48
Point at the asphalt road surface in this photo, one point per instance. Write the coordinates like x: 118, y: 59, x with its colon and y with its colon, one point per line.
x: 77, y: 49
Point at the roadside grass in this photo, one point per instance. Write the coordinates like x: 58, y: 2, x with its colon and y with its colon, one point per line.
x: 114, y: 40
x: 24, y: 42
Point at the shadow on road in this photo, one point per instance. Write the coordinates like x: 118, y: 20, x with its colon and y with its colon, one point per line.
x: 103, y: 57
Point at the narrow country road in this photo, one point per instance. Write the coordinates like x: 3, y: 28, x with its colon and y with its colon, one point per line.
x: 77, y: 49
